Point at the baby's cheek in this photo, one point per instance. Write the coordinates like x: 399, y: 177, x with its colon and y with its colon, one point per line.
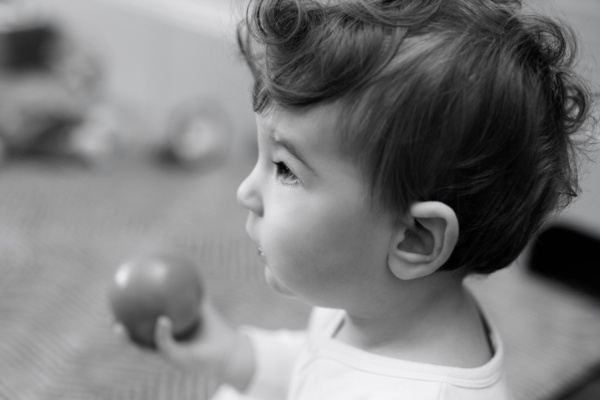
x: 310, y: 240
x: 292, y: 246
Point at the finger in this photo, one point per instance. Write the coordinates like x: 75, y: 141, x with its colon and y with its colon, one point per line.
x: 163, y: 336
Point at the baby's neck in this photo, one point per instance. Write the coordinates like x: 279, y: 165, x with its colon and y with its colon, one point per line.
x: 442, y: 327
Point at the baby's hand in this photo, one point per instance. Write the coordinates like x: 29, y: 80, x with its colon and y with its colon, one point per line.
x: 207, y: 350
x: 217, y: 348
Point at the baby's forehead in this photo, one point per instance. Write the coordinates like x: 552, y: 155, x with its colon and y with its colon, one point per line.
x: 318, y: 126
x: 320, y: 119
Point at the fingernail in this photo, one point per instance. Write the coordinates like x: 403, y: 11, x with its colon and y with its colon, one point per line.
x: 164, y: 322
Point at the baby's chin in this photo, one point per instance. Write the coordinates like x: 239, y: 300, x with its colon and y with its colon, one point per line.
x: 276, y: 285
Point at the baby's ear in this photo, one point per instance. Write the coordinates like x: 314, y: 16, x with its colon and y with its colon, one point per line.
x: 424, y: 242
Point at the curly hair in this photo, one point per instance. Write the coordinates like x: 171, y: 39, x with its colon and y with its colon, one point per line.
x: 468, y: 102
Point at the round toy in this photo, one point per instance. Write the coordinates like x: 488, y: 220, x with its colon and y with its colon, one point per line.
x: 151, y: 286
x: 199, y: 135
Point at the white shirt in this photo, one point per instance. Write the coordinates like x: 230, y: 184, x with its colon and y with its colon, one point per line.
x: 312, y: 365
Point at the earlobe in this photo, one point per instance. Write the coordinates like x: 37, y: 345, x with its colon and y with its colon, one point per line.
x: 424, y: 242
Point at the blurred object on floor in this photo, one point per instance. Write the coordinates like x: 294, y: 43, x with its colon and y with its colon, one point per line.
x: 51, y: 101
x: 198, y: 135
x: 97, y: 139
x: 27, y: 47
x: 568, y: 254
x: 163, y: 54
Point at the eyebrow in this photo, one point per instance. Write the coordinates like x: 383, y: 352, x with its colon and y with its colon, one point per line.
x: 277, y: 141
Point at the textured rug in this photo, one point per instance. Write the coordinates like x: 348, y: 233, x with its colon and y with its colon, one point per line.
x: 64, y: 231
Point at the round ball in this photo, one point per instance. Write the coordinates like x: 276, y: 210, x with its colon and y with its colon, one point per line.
x: 151, y: 286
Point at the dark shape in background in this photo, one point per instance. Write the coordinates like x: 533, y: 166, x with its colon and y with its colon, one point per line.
x: 568, y: 255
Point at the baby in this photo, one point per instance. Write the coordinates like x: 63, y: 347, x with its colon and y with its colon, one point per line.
x: 403, y: 146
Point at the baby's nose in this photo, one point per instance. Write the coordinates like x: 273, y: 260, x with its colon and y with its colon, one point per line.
x: 248, y: 194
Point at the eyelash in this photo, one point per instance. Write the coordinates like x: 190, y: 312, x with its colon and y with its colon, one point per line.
x: 285, y: 174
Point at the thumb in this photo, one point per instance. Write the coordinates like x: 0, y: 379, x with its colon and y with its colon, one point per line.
x: 181, y: 355
x: 163, y: 336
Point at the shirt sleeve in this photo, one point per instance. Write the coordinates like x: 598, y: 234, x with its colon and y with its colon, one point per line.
x: 275, y: 353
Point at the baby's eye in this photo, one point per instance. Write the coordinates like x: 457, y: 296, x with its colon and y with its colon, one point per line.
x: 285, y: 174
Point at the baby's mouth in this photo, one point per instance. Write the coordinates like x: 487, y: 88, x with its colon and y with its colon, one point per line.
x: 271, y: 280
x: 261, y: 255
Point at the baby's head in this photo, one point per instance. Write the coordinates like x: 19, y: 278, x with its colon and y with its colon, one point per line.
x: 467, y: 103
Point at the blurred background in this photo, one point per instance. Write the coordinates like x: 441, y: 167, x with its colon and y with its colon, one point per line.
x: 126, y: 127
